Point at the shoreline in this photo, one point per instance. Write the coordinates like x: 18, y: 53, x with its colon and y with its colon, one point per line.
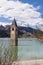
x: 28, y: 62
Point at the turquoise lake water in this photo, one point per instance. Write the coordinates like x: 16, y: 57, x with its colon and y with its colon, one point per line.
x: 28, y: 48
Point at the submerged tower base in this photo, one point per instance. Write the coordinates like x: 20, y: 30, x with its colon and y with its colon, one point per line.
x: 14, y: 42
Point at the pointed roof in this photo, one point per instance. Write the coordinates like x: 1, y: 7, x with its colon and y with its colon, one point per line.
x: 14, y: 22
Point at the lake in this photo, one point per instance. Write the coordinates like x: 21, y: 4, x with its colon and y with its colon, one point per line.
x: 28, y: 48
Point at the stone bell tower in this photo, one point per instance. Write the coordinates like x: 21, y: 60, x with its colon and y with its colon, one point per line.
x: 14, y: 33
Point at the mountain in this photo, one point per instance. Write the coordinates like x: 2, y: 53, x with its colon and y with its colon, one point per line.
x: 4, y: 32
x: 22, y: 31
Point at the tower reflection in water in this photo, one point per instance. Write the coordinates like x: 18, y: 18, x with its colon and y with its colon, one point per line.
x: 13, y: 52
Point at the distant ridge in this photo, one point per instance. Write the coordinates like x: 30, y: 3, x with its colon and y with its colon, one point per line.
x: 22, y: 31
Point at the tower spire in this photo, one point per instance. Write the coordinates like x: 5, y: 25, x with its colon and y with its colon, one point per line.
x: 14, y: 22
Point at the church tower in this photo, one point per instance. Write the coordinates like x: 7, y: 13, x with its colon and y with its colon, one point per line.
x: 14, y: 33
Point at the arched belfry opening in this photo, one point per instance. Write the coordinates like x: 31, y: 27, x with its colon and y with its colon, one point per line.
x: 14, y: 33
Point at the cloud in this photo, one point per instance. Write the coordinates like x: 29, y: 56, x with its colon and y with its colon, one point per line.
x: 24, y: 13
x: 4, y: 23
x: 40, y: 26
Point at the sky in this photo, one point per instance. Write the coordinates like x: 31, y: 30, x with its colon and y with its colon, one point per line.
x: 26, y: 12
